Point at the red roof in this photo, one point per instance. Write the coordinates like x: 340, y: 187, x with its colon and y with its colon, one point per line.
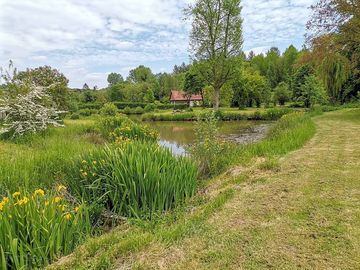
x: 181, y: 96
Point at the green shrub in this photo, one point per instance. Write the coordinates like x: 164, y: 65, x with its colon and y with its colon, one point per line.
x: 127, y: 110
x: 109, y: 109
x: 38, y: 228
x: 139, y: 110
x: 130, y: 130
x: 137, y: 179
x: 85, y: 112
x: 75, y: 116
x: 207, y: 150
x: 107, y: 125
x: 90, y: 106
x: 150, y: 107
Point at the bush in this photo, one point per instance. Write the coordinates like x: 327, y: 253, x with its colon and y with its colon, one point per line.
x: 150, y: 107
x: 85, y: 112
x: 130, y: 130
x: 139, y: 110
x: 207, y: 149
x: 37, y: 228
x: 90, y: 106
x: 127, y: 110
x: 136, y: 180
x: 107, y: 125
x: 75, y: 116
x: 109, y: 109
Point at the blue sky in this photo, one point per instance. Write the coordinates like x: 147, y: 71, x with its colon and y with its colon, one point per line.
x: 86, y: 40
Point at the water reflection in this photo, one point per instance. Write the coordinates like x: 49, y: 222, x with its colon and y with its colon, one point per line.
x: 177, y: 135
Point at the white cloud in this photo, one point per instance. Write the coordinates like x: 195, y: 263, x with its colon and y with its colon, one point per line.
x: 86, y: 40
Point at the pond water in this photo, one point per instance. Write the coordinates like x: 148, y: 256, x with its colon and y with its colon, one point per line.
x: 177, y: 135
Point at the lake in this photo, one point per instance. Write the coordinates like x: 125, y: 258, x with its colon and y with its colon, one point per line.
x: 177, y: 135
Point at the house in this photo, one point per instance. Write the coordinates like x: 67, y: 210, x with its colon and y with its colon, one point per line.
x: 179, y: 97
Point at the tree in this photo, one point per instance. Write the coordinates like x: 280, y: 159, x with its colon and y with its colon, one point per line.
x: 299, y: 79
x: 216, y: 40
x: 149, y: 96
x: 55, y: 83
x: 114, y: 78
x: 141, y: 74
x: 312, y: 91
x: 193, y: 84
x: 334, y: 32
x: 30, y: 111
x: 274, y: 71
x: 116, y: 92
x: 282, y: 94
x: 251, y: 88
x: 86, y: 87
x: 335, y: 71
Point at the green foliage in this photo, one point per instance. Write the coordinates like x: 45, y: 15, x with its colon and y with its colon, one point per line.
x: 312, y: 92
x: 207, y: 149
x: 114, y: 78
x: 281, y: 94
x: 55, y: 82
x: 138, y: 179
x: 141, y: 74
x: 108, y: 124
x: 38, y: 228
x: 335, y: 71
x: 109, y: 109
x: 116, y: 92
x: 75, y: 116
x: 251, y: 88
x: 149, y: 107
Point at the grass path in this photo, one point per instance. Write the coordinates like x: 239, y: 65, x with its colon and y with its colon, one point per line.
x: 304, y: 214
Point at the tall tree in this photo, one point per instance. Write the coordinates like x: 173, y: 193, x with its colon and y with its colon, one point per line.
x: 114, y: 78
x: 216, y: 40
x: 141, y: 74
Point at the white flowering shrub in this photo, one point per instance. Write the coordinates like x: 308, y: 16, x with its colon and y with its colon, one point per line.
x: 28, y: 113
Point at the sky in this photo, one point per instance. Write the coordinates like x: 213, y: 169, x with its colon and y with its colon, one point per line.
x: 86, y: 40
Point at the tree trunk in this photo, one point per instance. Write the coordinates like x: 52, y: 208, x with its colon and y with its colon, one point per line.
x: 217, y: 98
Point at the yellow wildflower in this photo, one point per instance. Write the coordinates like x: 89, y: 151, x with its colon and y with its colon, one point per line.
x: 16, y: 194
x: 5, y: 200
x: 62, y: 207
x: 94, y: 174
x: 39, y: 192
x: 23, y: 201
x: 84, y: 174
x: 94, y: 162
x: 67, y: 216
x: 46, y: 203
x: 84, y: 161
x: 76, y: 209
x: 2, y: 206
x: 56, y: 199
x: 61, y: 188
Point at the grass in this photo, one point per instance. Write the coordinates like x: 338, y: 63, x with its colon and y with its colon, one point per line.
x: 132, y: 242
x: 135, y: 179
x: 40, y: 160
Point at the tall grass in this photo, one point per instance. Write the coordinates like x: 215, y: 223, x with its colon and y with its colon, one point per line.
x: 291, y: 132
x: 137, y: 179
x: 43, y: 159
x: 37, y: 228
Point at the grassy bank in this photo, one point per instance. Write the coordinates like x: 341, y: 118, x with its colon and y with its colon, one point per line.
x: 40, y: 160
x: 223, y: 115
x: 134, y: 237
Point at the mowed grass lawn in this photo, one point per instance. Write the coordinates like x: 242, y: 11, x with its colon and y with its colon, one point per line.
x: 299, y: 212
